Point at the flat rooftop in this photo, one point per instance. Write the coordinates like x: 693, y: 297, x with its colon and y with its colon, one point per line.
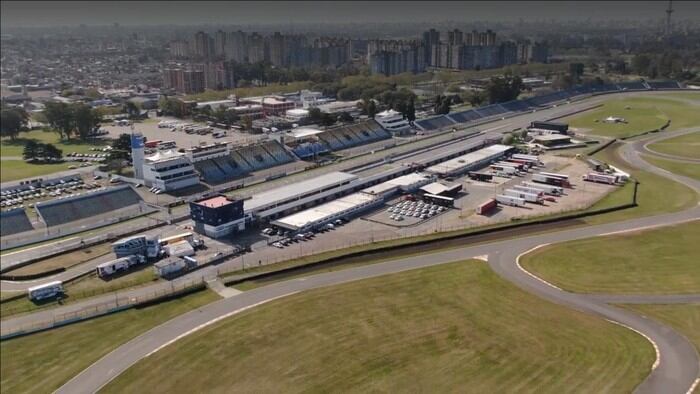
x: 214, y: 202
x: 302, y: 132
x: 402, y: 181
x: 551, y: 137
x: 323, y: 211
x: 294, y: 190
x: 469, y: 159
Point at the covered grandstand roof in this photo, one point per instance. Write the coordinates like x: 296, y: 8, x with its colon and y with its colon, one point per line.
x: 296, y: 190
x: 302, y: 132
x: 87, y: 205
x: 14, y: 221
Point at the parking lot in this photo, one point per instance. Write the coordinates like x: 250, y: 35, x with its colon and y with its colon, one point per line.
x: 152, y: 131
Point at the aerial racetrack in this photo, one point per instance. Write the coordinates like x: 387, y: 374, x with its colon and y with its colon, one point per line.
x: 470, y: 287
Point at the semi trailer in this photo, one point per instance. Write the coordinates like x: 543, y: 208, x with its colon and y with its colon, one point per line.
x: 529, y: 158
x: 46, y: 290
x: 505, y: 169
x: 510, y: 200
x: 529, y: 197
x: 601, y: 178
x: 548, y: 189
x: 528, y: 189
x: 486, y: 207
x: 540, y: 178
x: 481, y: 176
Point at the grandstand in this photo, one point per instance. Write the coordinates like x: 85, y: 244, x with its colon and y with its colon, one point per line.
x: 635, y: 85
x: 61, y: 211
x: 259, y: 156
x: 464, y: 116
x: 14, y: 221
x: 516, y: 106
x: 663, y: 85
x: 435, y: 123
x: 218, y: 170
x: 491, y: 110
x: 310, y: 149
x: 353, y: 135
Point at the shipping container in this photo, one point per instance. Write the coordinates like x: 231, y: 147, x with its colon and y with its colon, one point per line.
x: 600, y: 178
x: 548, y: 189
x: 46, y: 290
x: 486, y: 207
x: 510, y: 200
x: 529, y: 197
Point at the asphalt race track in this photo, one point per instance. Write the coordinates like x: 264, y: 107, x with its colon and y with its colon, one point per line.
x: 676, y: 369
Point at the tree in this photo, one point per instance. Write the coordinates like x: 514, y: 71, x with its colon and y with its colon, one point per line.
x: 60, y: 118
x: 507, y: 139
x: 371, y: 109
x: 315, y: 115
x: 12, y: 121
x: 475, y: 98
x: 442, y: 105
x: 131, y: 109
x: 410, y: 113
x: 121, y: 148
x: 503, y: 89
x: 30, y: 150
x: 86, y: 119
x: 51, y: 152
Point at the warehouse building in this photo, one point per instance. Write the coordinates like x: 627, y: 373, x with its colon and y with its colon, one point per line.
x: 343, y: 207
x: 303, y: 194
x: 470, y: 161
x: 440, y: 189
x: 406, y: 184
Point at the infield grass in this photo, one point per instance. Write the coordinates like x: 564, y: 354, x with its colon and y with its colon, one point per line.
x: 438, y: 329
x: 659, y: 261
x: 42, y: 362
x: 684, y: 146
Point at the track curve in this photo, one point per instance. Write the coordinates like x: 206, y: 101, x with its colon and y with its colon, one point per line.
x: 677, y: 369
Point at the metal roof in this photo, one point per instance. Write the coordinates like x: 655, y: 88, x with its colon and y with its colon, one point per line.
x: 291, y: 191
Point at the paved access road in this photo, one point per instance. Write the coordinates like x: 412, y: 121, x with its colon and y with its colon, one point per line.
x: 677, y: 365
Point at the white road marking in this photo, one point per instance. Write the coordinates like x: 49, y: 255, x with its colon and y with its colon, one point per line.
x: 483, y: 257
x: 693, y: 386
x: 656, y: 348
x: 517, y: 262
x: 647, y: 227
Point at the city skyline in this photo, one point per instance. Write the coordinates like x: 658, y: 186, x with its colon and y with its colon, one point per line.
x: 67, y: 13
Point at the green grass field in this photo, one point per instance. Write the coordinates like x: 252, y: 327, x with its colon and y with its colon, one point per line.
x: 661, y: 261
x: 644, y: 114
x: 656, y: 194
x: 85, y: 287
x: 682, y: 146
x: 42, y: 362
x: 9, y: 147
x: 439, y: 329
x: 12, y: 170
x: 686, y: 169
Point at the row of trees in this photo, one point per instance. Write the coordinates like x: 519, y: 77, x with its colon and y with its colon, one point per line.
x: 12, y: 121
x: 37, y: 151
x: 69, y: 120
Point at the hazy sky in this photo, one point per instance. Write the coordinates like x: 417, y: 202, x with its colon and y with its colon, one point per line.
x: 50, y: 13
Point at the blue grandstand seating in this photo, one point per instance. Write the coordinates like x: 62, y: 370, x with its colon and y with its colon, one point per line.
x: 309, y: 149
x: 636, y: 85
x: 465, y: 116
x: 516, y: 105
x: 663, y: 84
x: 491, y: 110
x: 56, y: 212
x: 435, y: 123
x: 14, y: 221
x: 353, y: 135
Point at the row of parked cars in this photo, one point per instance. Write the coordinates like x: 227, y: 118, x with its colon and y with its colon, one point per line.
x: 17, y: 197
x: 416, y: 209
x: 302, y: 236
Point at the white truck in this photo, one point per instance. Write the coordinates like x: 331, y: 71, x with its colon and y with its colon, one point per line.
x: 600, y: 178
x: 529, y: 197
x: 47, y: 290
x: 548, y: 189
x: 510, y: 200
x: 529, y: 158
x: 504, y: 169
x: 550, y: 180
x: 121, y: 264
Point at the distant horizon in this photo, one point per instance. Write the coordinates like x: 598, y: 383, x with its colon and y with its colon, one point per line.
x: 43, y: 14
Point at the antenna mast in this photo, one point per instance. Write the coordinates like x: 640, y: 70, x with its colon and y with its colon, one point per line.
x: 669, y: 11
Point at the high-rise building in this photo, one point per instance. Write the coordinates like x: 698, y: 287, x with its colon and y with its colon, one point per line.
x: 431, y: 39
x: 277, y: 50
x: 219, y: 44
x: 235, y: 47
x: 179, y: 49
x: 256, y: 48
x: 202, y: 45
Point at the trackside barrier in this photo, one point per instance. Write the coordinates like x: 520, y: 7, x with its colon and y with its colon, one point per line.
x: 601, y: 147
x: 167, y: 292
x: 367, y: 254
